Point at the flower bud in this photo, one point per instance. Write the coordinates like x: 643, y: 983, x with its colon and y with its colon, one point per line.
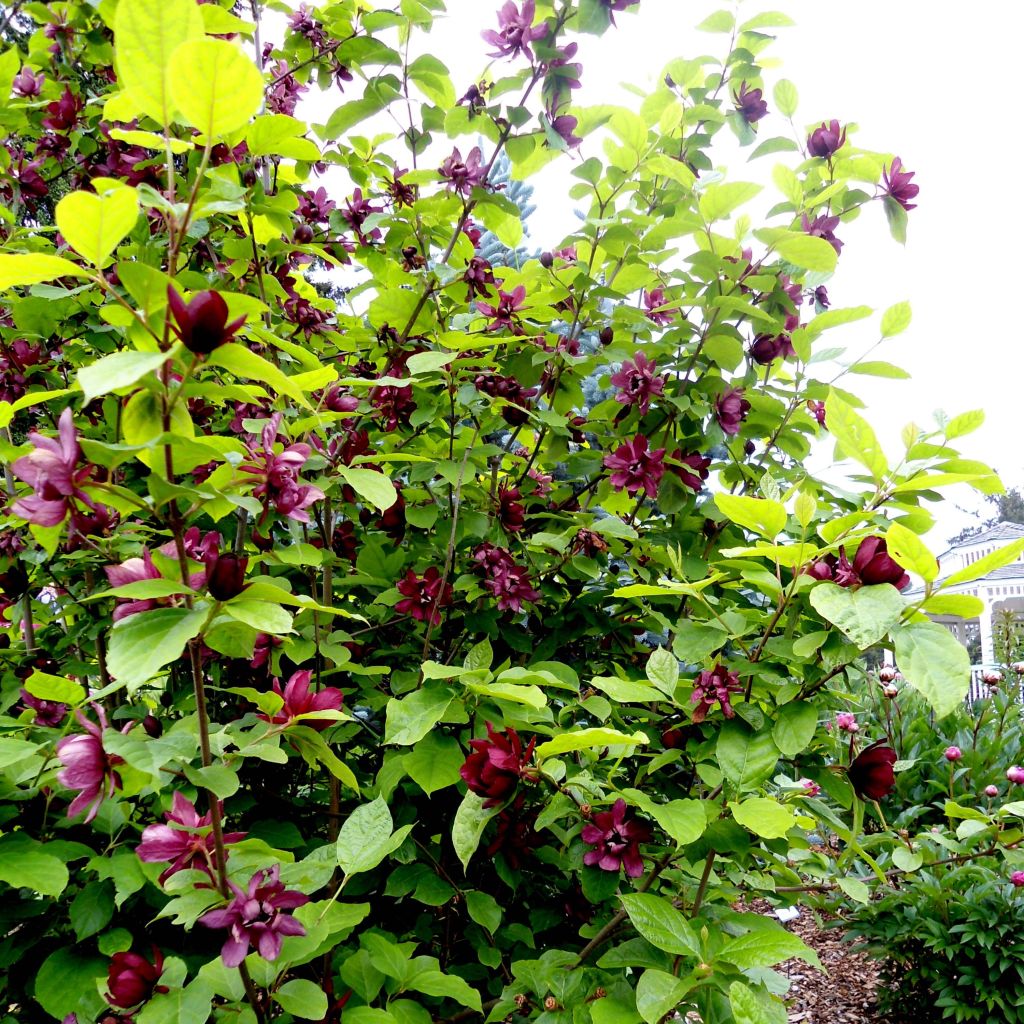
x: 887, y: 673
x: 1015, y: 774
x: 153, y: 726
x: 1017, y: 878
x: 953, y: 753
x: 303, y: 234
x: 225, y: 576
x: 606, y: 336
x: 890, y: 691
x: 991, y: 791
x: 547, y: 260
x: 550, y: 1003
x: 1018, y: 667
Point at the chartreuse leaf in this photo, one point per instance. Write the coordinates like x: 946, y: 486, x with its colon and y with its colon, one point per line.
x: 663, y: 670
x: 911, y: 552
x: 118, y: 370
x: 768, y: 518
x: 786, y: 97
x: 765, y: 947
x: 468, y: 826
x: 280, y: 135
x: 48, y: 687
x: 854, y: 437
x: 934, y: 663
x: 142, y: 644
x: 145, y: 36
x: 965, y: 423
x: 661, y: 924
x: 370, y: 485
x: 807, y: 252
x: 410, y: 718
x: 755, y: 1006
x: 13, y: 750
x: 367, y: 837
x: 588, y: 739
x: 764, y: 817
x: 718, y: 201
x: 684, y: 820
x: 191, y: 1003
x: 745, y: 757
x: 658, y: 993
x: 94, y: 225
x: 966, y: 606
x: 302, y: 998
x: 215, y: 85
x: 244, y: 363
x: 864, y: 615
x: 987, y: 563
x: 17, y: 269
x: 896, y: 319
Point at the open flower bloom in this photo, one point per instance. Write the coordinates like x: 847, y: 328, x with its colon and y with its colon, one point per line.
x: 202, y: 322
x: 750, y: 104
x: 186, y: 841
x: 826, y: 139
x: 277, y: 475
x: 496, y: 765
x: 713, y: 686
x: 616, y: 836
x: 635, y: 467
x: 637, y: 382
x: 514, y: 33
x: 897, y: 184
x: 423, y: 596
x: 257, y: 917
x: 87, y: 766
x: 300, y: 700
x: 871, y: 773
x: 731, y: 410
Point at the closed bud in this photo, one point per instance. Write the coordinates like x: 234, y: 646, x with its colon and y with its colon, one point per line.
x: 225, y: 576
x: 550, y: 1003
x: 606, y: 336
x: 890, y: 691
x: 547, y: 260
x: 153, y: 726
x: 303, y: 234
x: 887, y: 673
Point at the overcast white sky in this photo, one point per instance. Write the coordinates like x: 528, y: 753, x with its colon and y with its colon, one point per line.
x: 935, y: 83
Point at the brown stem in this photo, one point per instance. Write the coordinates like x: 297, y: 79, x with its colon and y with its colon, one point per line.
x: 703, y: 884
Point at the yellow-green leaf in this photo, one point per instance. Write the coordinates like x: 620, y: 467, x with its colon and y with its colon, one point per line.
x: 854, y: 436
x: 758, y: 514
x: 94, y: 225
x: 588, y: 739
x: 18, y: 269
x: 911, y: 552
x: 215, y: 85
x: 764, y: 817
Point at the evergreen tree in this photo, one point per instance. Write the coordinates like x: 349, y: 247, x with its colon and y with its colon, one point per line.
x: 491, y: 249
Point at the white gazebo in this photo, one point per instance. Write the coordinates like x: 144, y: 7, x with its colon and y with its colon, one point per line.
x: 999, y: 590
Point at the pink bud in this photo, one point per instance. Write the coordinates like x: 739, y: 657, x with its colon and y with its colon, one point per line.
x: 887, y: 673
x: 953, y: 753
x: 846, y: 721
x: 811, y: 788
x: 890, y: 691
x: 991, y: 791
x: 1017, y: 878
x: 1015, y: 774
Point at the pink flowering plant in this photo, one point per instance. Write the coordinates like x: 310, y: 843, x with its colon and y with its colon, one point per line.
x: 400, y: 625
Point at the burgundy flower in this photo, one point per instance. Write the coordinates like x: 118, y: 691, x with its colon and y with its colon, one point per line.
x: 315, y: 207
x: 692, y: 468
x: 817, y: 410
x: 820, y: 297
x: 654, y: 300
x: 823, y: 227
x: 510, y: 512
x: 283, y: 95
x: 873, y: 564
x: 278, y: 475
x: 225, y: 575
x: 422, y: 596
x: 300, y: 700
x: 133, y: 570
x: 87, y: 766
x: 616, y: 836
x: 49, y: 713
x: 564, y: 126
x: 826, y: 139
x: 515, y: 836
x: 731, y: 410
x: 63, y: 112
x: 132, y: 979
x: 750, y: 105
x: 504, y: 313
x: 496, y: 765
x: 463, y: 175
x: 27, y: 84
x: 356, y: 210
x: 635, y: 468
x: 479, y: 276
x: 509, y: 389
x: 511, y: 587
x: 187, y: 847
x: 475, y: 97
x: 257, y: 917
x: 897, y: 184
x: 514, y: 33
x: 871, y: 773
x: 766, y: 348
x: 637, y: 383
x: 203, y: 322
x: 713, y: 686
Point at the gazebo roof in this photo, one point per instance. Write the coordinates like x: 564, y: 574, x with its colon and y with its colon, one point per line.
x: 962, y: 554
x: 1001, y: 533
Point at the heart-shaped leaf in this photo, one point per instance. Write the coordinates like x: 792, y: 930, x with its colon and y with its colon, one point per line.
x: 94, y: 225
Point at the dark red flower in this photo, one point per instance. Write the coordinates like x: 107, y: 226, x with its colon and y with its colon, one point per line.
x: 767, y: 347
x: 504, y: 313
x: 496, y: 765
x: 817, y: 410
x: 616, y: 836
x: 203, y: 322
x: 511, y: 512
x: 463, y: 175
x: 637, y: 383
x: 873, y: 564
x: 750, y: 104
x: 422, y: 596
x: 898, y: 186
x: 871, y: 772
x: 731, y: 410
x: 300, y: 700
x: 132, y: 979
x: 713, y: 686
x: 691, y: 468
x: 826, y: 139
x: 655, y: 300
x: 225, y: 575
x: 63, y: 112
x: 634, y: 467
x: 479, y: 276
x: 515, y: 836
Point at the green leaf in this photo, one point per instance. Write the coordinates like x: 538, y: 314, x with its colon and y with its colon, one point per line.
x: 764, y: 817
x: 906, y: 860
x: 433, y: 982
x: 141, y: 644
x: 854, y: 437
x: 934, y: 663
x: 626, y: 691
x: 594, y: 17
x: 718, y: 201
x: 434, y: 762
x: 367, y: 837
x: 18, y: 269
x: 370, y: 485
x: 145, y: 36
x: 684, y: 820
x: 588, y: 739
x: 215, y: 85
x: 484, y: 909
x: 745, y: 757
x: 720, y: 21
x: 302, y: 998
x: 315, y: 750
x: 807, y: 252
x: 864, y: 615
x: 468, y: 826
x: 94, y: 225
x: 66, y: 983
x: 768, y: 518
x: 911, y: 552
x: 244, y: 363
x: 191, y: 1003
x: 663, y: 670
x: 660, y: 923
x: 987, y: 563
x: 28, y: 869
x: 795, y: 727
x: 765, y: 947
x: 658, y: 993
x: 755, y: 1006
x: 119, y: 370
x: 219, y: 779
x: 786, y: 97
x: 878, y: 368
x: 280, y: 135
x: 433, y: 80
x: 896, y: 215
x: 261, y: 615
x: 14, y: 750
x: 411, y: 718
x: 502, y: 218
x: 47, y: 687
x: 91, y: 909
x: 965, y: 423
x: 895, y: 319
x: 855, y: 889
x: 965, y: 606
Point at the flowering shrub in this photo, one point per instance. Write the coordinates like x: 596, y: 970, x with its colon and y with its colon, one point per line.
x: 359, y: 662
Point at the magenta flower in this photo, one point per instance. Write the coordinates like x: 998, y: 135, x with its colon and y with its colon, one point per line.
x: 897, y: 184
x: 87, y: 766
x: 616, y: 836
x: 817, y: 410
x: 1015, y: 774
x: 511, y: 587
x: 504, y: 313
x: 823, y: 227
x: 277, y: 474
x: 750, y: 105
x: 63, y: 112
x: 810, y: 787
x: 50, y: 472
x: 496, y: 765
x: 300, y: 700
x: 952, y: 753
x: 635, y: 468
x: 691, y: 468
x: 186, y: 843
x: 714, y: 686
x: 655, y: 300
x: 1017, y: 879
x: 479, y: 276
x: 991, y: 791
x: 49, y: 713
x: 514, y: 33
x: 422, y: 596
x: 564, y: 126
x: 731, y: 410
x: 826, y: 140
x: 463, y: 175
x: 257, y: 917
x: 133, y: 570
x: 356, y: 210
x: 132, y: 979
x: 202, y: 322
x: 637, y: 383
x: 846, y: 721
x: 27, y: 84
